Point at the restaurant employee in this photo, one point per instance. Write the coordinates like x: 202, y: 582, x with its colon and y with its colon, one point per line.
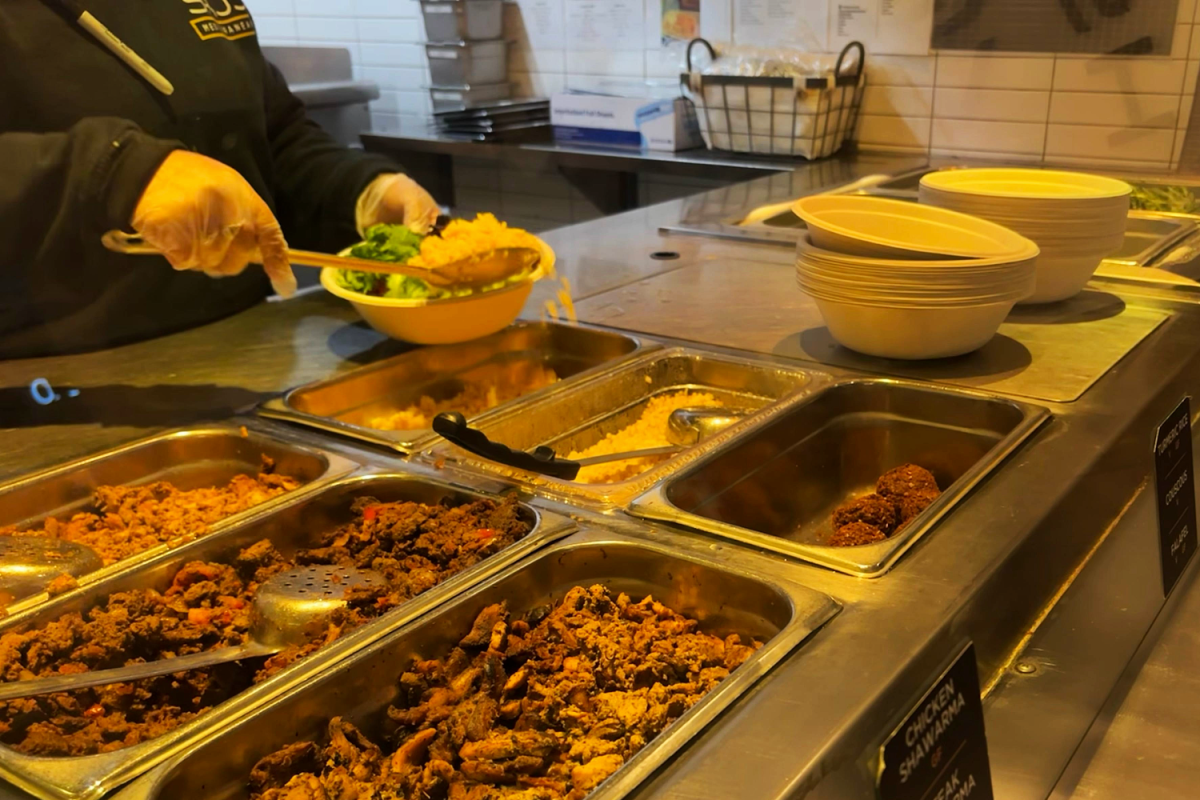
x: 214, y: 174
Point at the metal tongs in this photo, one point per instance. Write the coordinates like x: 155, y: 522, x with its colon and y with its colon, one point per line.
x: 685, y: 427
x: 481, y: 269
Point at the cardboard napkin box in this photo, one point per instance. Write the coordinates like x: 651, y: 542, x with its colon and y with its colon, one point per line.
x: 637, y: 123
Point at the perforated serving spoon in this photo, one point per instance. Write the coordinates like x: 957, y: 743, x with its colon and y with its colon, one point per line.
x: 472, y: 272
x: 286, y: 608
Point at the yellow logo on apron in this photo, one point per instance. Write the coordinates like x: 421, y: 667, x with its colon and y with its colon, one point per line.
x: 220, y: 19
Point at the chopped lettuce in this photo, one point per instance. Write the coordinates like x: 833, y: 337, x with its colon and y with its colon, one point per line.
x: 1177, y: 199
x: 395, y: 244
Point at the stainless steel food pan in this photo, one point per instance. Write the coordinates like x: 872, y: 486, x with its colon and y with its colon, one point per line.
x: 190, y: 458
x: 345, y: 404
x: 467, y: 63
x: 462, y: 20
x: 740, y: 593
x: 577, y: 418
x: 776, y: 488
x: 289, y: 528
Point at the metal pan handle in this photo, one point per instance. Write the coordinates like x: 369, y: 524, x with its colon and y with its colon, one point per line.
x: 453, y: 426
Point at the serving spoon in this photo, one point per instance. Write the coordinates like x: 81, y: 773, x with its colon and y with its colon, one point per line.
x: 286, y: 609
x: 28, y: 564
x: 472, y: 272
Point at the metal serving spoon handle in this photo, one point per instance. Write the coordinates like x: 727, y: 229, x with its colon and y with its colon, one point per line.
x: 134, y: 672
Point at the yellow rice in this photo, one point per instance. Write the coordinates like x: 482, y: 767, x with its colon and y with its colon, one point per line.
x: 649, y: 430
x: 463, y: 238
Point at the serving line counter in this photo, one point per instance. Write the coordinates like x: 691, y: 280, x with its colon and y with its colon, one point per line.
x: 1048, y: 564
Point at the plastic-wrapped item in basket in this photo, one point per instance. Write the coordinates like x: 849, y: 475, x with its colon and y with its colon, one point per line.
x: 776, y: 102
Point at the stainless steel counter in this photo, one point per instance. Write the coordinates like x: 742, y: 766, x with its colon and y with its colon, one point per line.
x: 1063, y: 526
x: 699, y: 162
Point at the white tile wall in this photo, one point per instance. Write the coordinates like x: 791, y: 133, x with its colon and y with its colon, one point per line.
x: 997, y: 105
x: 1120, y: 112
x: 1024, y: 106
x: 992, y: 72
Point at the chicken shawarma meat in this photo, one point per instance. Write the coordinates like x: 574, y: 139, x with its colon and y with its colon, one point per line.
x: 126, y: 520
x: 545, y: 706
x: 208, y: 605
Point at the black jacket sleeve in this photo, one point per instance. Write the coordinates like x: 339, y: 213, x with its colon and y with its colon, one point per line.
x: 71, y: 185
x: 317, y: 180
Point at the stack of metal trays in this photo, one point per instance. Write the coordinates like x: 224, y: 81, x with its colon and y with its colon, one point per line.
x: 468, y: 56
x: 503, y: 121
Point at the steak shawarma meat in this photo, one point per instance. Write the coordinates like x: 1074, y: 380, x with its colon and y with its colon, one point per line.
x: 541, y: 707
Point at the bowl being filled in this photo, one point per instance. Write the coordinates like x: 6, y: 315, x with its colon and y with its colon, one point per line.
x: 449, y: 318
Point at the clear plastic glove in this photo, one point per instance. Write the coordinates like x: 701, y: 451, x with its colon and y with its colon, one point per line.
x: 397, y: 200
x: 203, y: 215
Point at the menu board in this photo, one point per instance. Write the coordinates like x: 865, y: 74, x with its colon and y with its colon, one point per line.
x: 1174, y: 488
x: 604, y: 25
x: 884, y: 27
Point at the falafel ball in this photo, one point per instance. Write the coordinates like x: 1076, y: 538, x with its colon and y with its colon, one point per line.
x: 855, y: 534
x: 910, y: 505
x: 878, y: 512
x: 906, y: 479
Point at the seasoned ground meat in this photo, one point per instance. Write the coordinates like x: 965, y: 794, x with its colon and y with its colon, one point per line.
x: 854, y: 534
x: 126, y: 520
x: 874, y: 510
x: 906, y: 479
x: 543, y: 707
x: 208, y: 605
x: 902, y: 494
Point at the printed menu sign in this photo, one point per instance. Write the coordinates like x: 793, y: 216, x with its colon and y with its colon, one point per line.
x: 939, y: 751
x: 1174, y: 487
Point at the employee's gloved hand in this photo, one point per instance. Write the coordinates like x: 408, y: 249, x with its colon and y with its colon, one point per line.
x: 398, y: 200
x: 203, y: 215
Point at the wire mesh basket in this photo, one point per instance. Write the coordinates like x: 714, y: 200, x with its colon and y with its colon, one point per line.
x: 807, y: 116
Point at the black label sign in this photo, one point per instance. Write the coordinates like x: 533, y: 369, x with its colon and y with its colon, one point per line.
x: 940, y: 752
x: 1174, y: 485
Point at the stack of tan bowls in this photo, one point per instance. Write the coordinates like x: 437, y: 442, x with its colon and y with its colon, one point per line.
x: 901, y: 280
x: 1076, y: 219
